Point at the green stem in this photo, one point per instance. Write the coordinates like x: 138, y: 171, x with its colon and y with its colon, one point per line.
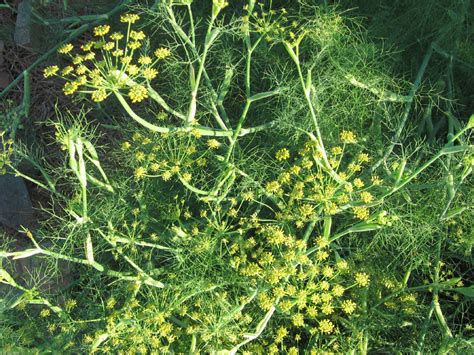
x: 203, y: 130
x: 194, y: 90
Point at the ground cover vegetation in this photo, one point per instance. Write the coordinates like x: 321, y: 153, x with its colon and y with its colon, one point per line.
x: 246, y: 177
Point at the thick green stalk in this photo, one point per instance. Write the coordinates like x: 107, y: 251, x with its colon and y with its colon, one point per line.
x: 203, y: 130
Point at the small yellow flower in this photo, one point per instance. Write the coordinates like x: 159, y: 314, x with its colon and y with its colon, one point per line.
x: 353, y: 167
x: 150, y: 73
x: 306, y: 210
x: 376, y: 180
x: 132, y: 69
x: 281, y: 333
x: 99, y: 95
x: 326, y: 326
x: 361, y: 213
x: 134, y: 45
x: 126, y: 60
x: 213, y: 143
x: 162, y: 53
x: 140, y: 172
x: 282, y: 154
x: 348, y: 306
x: 116, y: 36
x: 78, y: 59
x: 50, y: 71
x: 70, y: 88
x: 366, y: 197
x: 322, y: 242
x: 140, y: 156
x: 45, y: 313
x: 298, y: 320
x: 363, y: 157
x: 327, y: 309
x: 321, y: 255
x: 358, y: 183
x: 248, y: 196
x: 348, y: 187
x: 272, y: 187
x: 342, y: 265
x: 70, y: 304
x: 81, y: 80
x: 67, y: 70
x: 89, y: 56
x: 362, y: 279
x: 137, y: 35
x: 87, y: 46
x: 295, y: 169
x: 347, y: 137
x: 126, y: 146
x: 166, y: 175
x: 336, y: 150
x: 117, y: 53
x: 101, y: 30
x: 108, y: 46
x: 328, y: 271
x: 138, y: 93
x: 66, y: 48
x: 129, y: 18
x: 81, y: 69
x: 338, y: 290
x: 144, y: 60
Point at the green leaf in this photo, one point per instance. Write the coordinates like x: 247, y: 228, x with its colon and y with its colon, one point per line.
x: 466, y: 291
x: 263, y: 95
x: 455, y: 149
x: 364, y: 228
x: 6, y: 278
x: 470, y: 124
x: 211, y: 37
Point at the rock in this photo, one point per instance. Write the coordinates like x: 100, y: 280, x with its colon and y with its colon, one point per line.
x: 16, y: 209
x: 22, y: 34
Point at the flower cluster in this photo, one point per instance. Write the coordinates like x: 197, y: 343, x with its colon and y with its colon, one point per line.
x: 312, y: 189
x: 109, y: 64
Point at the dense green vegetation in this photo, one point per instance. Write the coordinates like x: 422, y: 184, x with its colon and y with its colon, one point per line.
x: 244, y: 177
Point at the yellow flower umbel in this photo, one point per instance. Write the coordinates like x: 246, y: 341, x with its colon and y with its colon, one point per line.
x: 70, y: 88
x: 138, y: 93
x: 348, y: 306
x: 99, y: 95
x: 213, y: 143
x: 66, y: 48
x: 162, y: 53
x: 144, y: 60
x: 348, y: 137
x: 109, y: 65
x: 326, y: 326
x: 361, y: 213
x: 150, y: 73
x: 101, y: 30
x: 50, y: 71
x: 362, y: 279
x: 282, y: 154
x: 129, y: 18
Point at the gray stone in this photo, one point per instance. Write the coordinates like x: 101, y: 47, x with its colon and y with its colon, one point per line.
x: 22, y: 34
x: 16, y: 209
